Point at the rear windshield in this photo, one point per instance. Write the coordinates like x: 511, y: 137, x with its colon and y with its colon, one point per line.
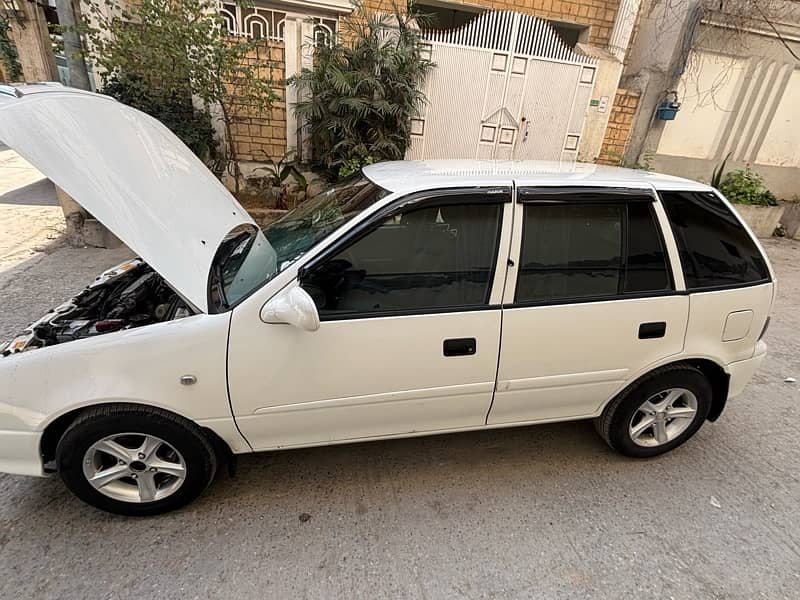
x: 715, y: 250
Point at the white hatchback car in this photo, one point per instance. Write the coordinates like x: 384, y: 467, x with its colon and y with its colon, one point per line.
x: 416, y: 298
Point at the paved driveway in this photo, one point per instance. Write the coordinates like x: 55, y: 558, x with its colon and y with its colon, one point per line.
x: 545, y: 512
x: 30, y: 218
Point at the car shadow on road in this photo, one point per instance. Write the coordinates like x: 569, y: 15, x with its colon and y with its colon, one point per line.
x: 38, y: 193
x: 439, y: 456
x: 296, y: 482
x: 455, y: 469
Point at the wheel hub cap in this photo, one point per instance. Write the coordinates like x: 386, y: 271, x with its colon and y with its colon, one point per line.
x: 134, y: 467
x: 663, y: 417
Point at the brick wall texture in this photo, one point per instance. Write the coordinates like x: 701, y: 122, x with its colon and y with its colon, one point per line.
x: 618, y: 131
x: 598, y: 15
x: 261, y: 135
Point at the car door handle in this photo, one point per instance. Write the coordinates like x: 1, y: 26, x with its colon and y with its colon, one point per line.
x: 459, y: 347
x: 650, y: 331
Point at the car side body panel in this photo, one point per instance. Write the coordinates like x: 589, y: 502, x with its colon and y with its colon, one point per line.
x: 569, y: 360
x: 142, y: 366
x: 359, y: 378
x: 363, y: 377
x: 709, y: 312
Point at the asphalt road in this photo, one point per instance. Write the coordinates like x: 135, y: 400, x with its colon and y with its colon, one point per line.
x: 534, y: 512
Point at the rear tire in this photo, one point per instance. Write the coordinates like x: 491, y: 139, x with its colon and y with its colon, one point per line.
x: 657, y: 413
x: 135, y: 460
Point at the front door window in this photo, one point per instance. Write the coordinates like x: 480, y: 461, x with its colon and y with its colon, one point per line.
x: 426, y: 258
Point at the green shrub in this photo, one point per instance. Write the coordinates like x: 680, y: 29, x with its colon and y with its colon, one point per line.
x: 744, y: 186
x: 364, y: 89
x: 176, y: 50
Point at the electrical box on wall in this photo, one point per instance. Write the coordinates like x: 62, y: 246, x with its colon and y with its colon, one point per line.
x: 669, y: 107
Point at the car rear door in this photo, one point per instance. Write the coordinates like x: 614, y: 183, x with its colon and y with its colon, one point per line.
x: 590, y: 301
x: 409, y: 338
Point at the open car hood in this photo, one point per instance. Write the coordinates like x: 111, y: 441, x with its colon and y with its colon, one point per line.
x: 131, y: 173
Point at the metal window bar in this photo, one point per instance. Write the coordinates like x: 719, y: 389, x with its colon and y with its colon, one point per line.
x: 258, y: 23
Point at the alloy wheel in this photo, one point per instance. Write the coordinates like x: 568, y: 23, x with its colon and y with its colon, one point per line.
x: 134, y: 467
x: 663, y: 417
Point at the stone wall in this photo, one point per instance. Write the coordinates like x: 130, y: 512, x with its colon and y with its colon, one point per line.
x: 33, y: 44
x: 598, y: 15
x: 619, y: 126
x: 259, y: 135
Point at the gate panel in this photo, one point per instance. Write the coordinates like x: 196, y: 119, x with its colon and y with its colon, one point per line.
x: 451, y: 119
x: 505, y: 86
x: 545, y: 121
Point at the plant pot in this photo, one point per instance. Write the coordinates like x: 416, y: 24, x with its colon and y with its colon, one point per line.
x: 761, y: 219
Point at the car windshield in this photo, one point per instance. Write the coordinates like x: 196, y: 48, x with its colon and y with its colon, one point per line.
x: 248, y: 257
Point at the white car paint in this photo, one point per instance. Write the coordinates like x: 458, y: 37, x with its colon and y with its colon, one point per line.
x: 263, y: 385
x: 131, y: 173
x: 605, y: 350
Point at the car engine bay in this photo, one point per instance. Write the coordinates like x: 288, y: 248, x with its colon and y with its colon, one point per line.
x: 129, y: 295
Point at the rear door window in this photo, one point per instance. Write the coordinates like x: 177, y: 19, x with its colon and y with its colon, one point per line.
x: 579, y: 250
x: 715, y: 250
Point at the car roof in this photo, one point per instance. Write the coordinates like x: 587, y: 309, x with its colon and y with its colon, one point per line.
x: 415, y: 175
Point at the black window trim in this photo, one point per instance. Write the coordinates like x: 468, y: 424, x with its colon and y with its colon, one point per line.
x: 583, y: 195
x: 426, y: 199
x: 408, y: 312
x: 632, y: 296
x: 613, y: 198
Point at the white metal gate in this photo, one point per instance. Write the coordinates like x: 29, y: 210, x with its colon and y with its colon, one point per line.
x: 504, y: 86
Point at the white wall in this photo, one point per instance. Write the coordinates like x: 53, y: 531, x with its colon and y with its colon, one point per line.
x: 707, y: 92
x: 781, y: 146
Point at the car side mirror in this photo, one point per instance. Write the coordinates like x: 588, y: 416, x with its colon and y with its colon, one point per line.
x: 293, y: 307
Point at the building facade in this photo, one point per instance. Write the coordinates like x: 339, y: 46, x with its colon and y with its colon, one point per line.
x: 548, y: 86
x: 738, y: 85
x: 590, y: 33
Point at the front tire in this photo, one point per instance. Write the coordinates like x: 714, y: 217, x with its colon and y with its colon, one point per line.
x: 658, y: 413
x: 135, y: 460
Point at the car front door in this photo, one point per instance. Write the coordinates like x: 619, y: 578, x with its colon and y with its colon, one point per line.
x: 409, y: 305
x: 590, y: 302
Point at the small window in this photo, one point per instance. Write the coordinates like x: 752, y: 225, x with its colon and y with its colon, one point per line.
x: 646, y: 267
x: 574, y: 251
x: 715, y: 250
x: 422, y: 259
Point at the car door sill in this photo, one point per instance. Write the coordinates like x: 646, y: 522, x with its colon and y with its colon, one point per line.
x: 412, y: 434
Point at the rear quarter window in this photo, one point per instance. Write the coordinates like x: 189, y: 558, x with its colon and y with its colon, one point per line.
x: 715, y: 250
